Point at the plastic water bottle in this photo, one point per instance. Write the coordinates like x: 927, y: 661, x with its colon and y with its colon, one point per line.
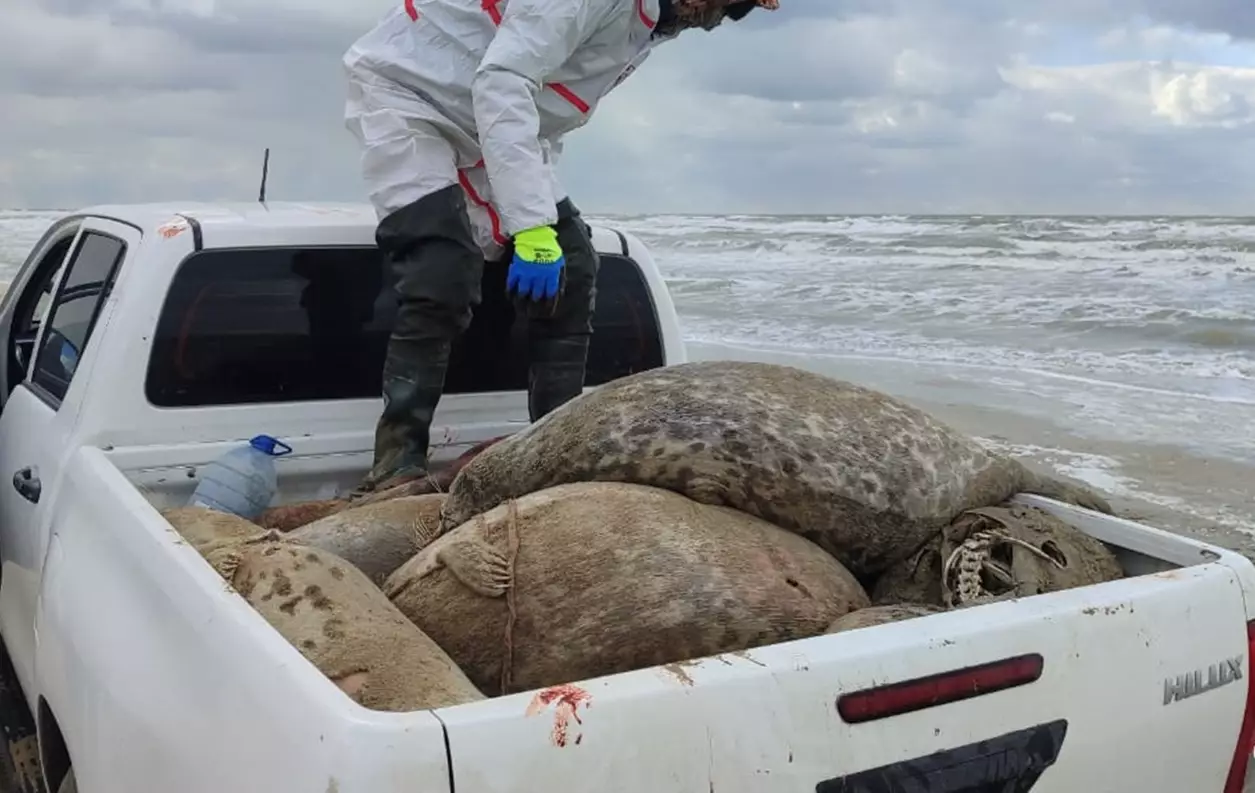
x: 242, y: 481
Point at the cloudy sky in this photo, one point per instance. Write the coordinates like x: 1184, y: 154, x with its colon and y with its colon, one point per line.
x: 824, y: 106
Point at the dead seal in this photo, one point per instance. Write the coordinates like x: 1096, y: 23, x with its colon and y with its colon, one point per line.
x: 339, y: 620
x: 376, y: 538
x: 995, y: 553
x: 595, y: 578
x: 287, y: 517
x: 330, y: 611
x: 881, y: 615
x: 865, y: 476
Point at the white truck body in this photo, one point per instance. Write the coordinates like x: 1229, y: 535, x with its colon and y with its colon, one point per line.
x: 145, y: 673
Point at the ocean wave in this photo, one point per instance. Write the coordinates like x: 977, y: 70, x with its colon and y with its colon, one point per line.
x: 1218, y: 378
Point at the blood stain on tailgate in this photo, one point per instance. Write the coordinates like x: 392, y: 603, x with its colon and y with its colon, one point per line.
x: 567, y: 699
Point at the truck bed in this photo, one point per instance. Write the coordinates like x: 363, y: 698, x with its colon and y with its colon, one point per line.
x: 1071, y: 684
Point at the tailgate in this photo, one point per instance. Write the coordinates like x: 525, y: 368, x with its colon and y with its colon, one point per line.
x: 1094, y: 719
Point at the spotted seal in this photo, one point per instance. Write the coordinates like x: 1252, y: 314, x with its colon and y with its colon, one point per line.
x: 865, y: 476
x: 330, y: 611
x: 595, y: 578
x: 376, y: 538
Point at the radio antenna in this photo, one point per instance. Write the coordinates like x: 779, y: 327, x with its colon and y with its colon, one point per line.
x: 265, y: 169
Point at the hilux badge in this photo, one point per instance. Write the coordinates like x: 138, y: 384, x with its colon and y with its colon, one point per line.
x: 1194, y: 683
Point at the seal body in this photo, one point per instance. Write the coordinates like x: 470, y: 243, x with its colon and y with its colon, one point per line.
x: 866, y: 476
x: 596, y: 578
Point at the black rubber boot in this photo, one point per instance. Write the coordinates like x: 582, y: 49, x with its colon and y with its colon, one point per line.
x: 559, y: 330
x: 437, y: 265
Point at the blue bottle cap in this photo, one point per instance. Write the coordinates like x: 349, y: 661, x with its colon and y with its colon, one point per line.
x: 267, y: 444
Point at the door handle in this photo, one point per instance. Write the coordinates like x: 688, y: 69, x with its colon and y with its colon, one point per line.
x: 26, y: 483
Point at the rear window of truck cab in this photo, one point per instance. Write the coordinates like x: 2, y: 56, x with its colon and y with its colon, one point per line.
x: 247, y: 326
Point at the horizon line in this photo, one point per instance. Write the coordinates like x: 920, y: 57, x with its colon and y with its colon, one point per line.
x: 952, y: 214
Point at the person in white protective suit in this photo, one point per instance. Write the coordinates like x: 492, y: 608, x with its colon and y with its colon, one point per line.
x: 460, y: 107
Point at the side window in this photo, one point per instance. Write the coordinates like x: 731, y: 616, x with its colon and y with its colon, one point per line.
x: 282, y: 325
x: 73, y: 312
x: 30, y: 308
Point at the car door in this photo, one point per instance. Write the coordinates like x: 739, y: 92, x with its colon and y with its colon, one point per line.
x: 61, y: 305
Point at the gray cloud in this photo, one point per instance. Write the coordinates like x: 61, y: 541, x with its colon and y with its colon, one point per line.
x: 896, y: 106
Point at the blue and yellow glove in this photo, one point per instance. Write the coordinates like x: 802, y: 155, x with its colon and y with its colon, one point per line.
x: 536, y: 270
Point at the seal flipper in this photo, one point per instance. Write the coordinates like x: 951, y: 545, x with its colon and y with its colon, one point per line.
x: 426, y: 567
x: 479, y: 566
x: 224, y: 555
x: 425, y: 533
x: 1058, y: 489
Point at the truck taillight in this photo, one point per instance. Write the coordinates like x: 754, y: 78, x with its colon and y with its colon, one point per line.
x: 929, y: 692
x: 1246, y: 736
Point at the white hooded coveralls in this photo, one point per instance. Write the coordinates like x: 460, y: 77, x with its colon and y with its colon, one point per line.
x: 480, y: 93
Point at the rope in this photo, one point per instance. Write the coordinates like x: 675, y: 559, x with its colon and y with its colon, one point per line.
x: 973, y: 557
x: 512, y: 541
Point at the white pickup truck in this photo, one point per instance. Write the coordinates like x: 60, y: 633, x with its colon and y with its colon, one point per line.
x: 141, y: 342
